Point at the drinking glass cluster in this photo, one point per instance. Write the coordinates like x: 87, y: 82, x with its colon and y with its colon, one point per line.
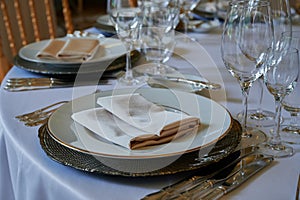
x: 272, y: 58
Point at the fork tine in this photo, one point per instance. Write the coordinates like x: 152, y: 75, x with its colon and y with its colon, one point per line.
x: 36, y: 112
x: 37, y: 122
x: 36, y: 116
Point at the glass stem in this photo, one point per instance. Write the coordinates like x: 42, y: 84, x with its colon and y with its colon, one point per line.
x: 275, y: 136
x: 245, y: 91
x: 261, y: 84
x: 128, y: 73
x: 186, y: 22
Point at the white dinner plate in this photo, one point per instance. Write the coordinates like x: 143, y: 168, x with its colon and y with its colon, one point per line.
x: 215, y: 122
x: 110, y: 48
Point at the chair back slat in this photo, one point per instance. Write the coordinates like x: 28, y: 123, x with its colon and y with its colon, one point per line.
x: 26, y: 21
x: 67, y: 16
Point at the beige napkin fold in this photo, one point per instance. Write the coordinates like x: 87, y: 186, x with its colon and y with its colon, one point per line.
x: 72, y: 48
x: 134, y: 122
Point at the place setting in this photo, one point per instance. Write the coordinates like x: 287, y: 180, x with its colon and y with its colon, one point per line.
x: 141, y: 132
x: 154, y: 102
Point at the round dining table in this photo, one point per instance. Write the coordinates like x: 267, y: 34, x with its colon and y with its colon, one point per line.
x: 27, y: 173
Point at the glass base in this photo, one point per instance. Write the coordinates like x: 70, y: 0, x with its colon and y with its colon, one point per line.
x: 277, y: 150
x: 132, y: 81
x: 290, y: 134
x: 152, y: 69
x: 252, y: 137
x: 259, y: 119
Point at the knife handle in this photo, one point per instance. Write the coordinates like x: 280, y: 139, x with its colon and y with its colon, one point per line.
x: 199, y: 190
x: 175, y: 189
x: 215, y: 194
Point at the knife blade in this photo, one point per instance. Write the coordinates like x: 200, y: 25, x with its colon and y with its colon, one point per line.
x: 196, y: 84
x: 191, y: 182
x: 236, y: 180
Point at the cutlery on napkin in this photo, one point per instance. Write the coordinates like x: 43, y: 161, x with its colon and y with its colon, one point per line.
x: 72, y: 48
x: 133, y: 122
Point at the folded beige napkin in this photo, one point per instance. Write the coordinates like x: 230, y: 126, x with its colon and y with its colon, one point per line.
x: 134, y: 122
x: 72, y: 48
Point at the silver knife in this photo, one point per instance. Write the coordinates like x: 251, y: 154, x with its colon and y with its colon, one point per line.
x: 191, y: 182
x: 236, y: 180
x: 197, y: 84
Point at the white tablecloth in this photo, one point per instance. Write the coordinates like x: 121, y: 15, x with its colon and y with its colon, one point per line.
x: 27, y: 173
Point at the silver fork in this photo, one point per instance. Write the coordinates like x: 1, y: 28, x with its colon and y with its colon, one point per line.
x: 39, y: 116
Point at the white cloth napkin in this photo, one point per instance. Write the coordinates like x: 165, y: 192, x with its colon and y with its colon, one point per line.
x: 72, y: 48
x: 134, y: 122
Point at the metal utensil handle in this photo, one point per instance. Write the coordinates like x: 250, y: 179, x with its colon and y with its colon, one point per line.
x: 215, y: 194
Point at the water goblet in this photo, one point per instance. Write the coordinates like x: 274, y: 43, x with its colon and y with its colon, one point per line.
x: 157, y: 44
x: 157, y: 38
x: 245, y: 24
x: 280, y: 78
x: 126, y: 18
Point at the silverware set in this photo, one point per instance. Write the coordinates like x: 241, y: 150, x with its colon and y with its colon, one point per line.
x: 215, y: 185
x: 25, y: 84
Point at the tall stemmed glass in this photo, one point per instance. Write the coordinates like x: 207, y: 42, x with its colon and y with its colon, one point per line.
x: 246, y: 23
x: 157, y: 37
x: 291, y: 103
x: 282, y: 22
x: 280, y: 78
x: 126, y: 18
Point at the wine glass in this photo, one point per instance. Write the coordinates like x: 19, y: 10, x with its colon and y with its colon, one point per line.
x: 291, y: 103
x: 157, y: 44
x: 246, y: 23
x: 187, y: 6
x: 282, y: 22
x: 157, y: 37
x: 126, y: 17
x: 280, y: 78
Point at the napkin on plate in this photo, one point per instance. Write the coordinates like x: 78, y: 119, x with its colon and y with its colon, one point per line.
x: 134, y: 122
x: 72, y: 48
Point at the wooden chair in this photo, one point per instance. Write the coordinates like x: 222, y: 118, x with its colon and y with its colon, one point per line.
x: 26, y: 21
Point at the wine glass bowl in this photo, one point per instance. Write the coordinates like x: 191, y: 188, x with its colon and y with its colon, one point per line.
x: 167, y: 8
x: 157, y: 44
